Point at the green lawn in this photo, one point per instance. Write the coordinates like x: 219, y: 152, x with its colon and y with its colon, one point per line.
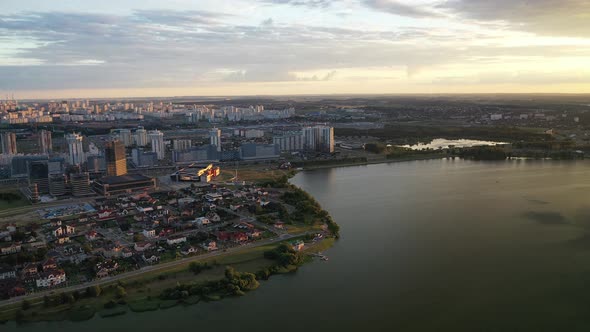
x: 143, y: 291
x: 11, y: 200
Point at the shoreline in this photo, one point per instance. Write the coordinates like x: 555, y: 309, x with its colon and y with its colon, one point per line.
x: 33, y: 307
x: 374, y: 162
x: 420, y: 158
x: 232, y: 252
x: 67, y: 313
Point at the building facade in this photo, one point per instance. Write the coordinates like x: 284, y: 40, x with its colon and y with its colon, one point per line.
x: 115, y: 158
x: 8, y: 143
x: 158, y: 146
x: 318, y: 138
x: 292, y: 141
x: 75, y: 149
x: 215, y: 137
x: 45, y: 142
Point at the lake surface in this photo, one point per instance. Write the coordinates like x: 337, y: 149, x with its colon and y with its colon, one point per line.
x: 437, y: 245
x: 441, y: 143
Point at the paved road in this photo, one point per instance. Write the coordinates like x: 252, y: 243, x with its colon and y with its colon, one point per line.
x: 146, y: 269
x: 31, y: 208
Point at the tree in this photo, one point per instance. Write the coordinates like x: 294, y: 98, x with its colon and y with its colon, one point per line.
x: 19, y: 316
x: 46, y: 301
x: 120, y: 292
x: 93, y: 291
x: 67, y: 298
x: 26, y: 305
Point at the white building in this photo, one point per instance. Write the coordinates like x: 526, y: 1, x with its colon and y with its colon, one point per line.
x: 289, y: 141
x: 149, y: 233
x: 181, y: 144
x: 75, y: 148
x: 51, y: 278
x: 318, y: 138
x: 141, y: 138
x: 125, y: 137
x: 45, y: 142
x: 158, y: 146
x: 215, y: 135
x: 176, y: 240
x: 8, y: 143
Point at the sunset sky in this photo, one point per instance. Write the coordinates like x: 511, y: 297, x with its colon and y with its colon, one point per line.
x: 126, y: 48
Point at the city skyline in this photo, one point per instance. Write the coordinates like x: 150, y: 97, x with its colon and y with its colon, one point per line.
x: 291, y: 47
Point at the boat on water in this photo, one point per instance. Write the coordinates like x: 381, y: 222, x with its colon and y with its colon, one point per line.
x: 320, y: 256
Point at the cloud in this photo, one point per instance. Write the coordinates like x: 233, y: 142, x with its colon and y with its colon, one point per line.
x: 546, y: 17
x: 301, y: 3
x: 402, y: 9
x: 153, y: 49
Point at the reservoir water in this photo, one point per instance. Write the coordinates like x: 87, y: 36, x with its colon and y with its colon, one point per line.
x: 437, y: 245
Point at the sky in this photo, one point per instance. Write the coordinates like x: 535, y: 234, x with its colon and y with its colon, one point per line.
x: 137, y: 48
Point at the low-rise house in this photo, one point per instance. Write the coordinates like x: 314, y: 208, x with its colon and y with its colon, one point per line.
x: 63, y: 231
x: 244, y: 225
x: 113, y: 250
x: 165, y: 232
x: 201, y: 221
x: 106, y: 215
x: 298, y: 245
x: 239, y: 237
x: 149, y: 233
x: 29, y: 270
x: 51, y: 278
x: 7, y: 272
x: 212, y: 216
x: 176, y: 240
x: 127, y: 253
x: 255, y: 234
x: 12, y: 248
x: 235, y: 236
x: 49, y: 264
x: 213, y: 197
x: 91, y: 235
x: 279, y: 225
x: 209, y: 245
x: 142, y: 246
x: 188, y: 249
x: 104, y: 269
x: 150, y: 258
x: 11, y: 228
x: 62, y: 240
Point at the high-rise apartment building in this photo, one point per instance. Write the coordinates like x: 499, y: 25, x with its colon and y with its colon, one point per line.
x: 45, y: 142
x: 215, y: 136
x: 8, y: 143
x: 115, y: 158
x: 125, y: 137
x: 75, y: 148
x: 181, y: 144
x: 319, y: 138
x: 157, y: 139
x: 292, y: 141
x: 80, y: 184
x: 141, y: 138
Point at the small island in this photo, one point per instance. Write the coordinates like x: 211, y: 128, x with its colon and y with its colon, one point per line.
x: 150, y: 251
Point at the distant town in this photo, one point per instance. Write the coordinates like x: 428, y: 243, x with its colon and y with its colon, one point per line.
x: 97, y: 190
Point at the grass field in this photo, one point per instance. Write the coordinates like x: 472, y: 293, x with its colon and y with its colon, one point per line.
x: 252, y: 174
x: 142, y: 291
x: 18, y: 201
